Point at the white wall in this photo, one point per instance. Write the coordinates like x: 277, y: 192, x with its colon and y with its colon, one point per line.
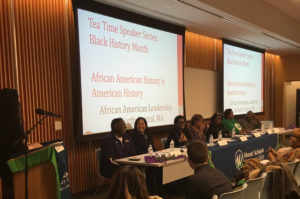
x: 202, y: 92
x: 289, y: 102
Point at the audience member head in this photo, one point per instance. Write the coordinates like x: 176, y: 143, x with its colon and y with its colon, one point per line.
x: 228, y: 114
x: 179, y: 122
x: 295, y: 139
x: 128, y: 182
x: 118, y: 126
x: 216, y: 118
x: 197, y: 153
x: 250, y: 115
x: 140, y: 125
x: 197, y: 121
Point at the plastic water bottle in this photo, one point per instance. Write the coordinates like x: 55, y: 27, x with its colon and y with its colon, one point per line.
x: 220, y: 135
x: 271, y: 126
x: 262, y: 128
x: 233, y: 133
x: 150, y: 150
x: 211, y: 139
x: 171, y: 145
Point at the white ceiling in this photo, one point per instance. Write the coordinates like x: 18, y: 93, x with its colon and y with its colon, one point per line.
x: 242, y: 21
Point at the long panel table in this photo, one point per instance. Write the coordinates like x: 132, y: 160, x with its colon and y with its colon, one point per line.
x: 226, y: 158
x: 229, y: 158
x: 171, y: 170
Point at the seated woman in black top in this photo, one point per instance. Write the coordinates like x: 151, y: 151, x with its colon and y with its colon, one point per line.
x: 178, y: 133
x: 216, y: 126
x: 141, y: 136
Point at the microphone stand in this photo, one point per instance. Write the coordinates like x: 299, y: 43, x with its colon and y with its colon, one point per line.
x: 26, y: 152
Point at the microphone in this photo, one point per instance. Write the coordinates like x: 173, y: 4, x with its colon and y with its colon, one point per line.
x: 47, y: 113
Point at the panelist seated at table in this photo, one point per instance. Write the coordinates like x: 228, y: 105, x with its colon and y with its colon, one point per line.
x: 114, y: 146
x: 250, y: 122
x: 216, y: 126
x: 287, y: 154
x: 196, y: 129
x: 129, y: 182
x: 229, y: 122
x: 206, y: 181
x: 141, y: 136
x: 178, y: 133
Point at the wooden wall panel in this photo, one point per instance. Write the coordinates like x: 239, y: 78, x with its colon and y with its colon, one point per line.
x: 7, y: 65
x: 287, y: 68
x: 269, y: 69
x: 203, y: 52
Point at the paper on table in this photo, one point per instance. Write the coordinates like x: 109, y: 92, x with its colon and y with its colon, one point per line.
x: 243, y: 138
x: 222, y: 143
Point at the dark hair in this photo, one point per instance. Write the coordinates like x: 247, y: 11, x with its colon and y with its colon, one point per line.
x: 177, y: 118
x: 214, y: 117
x: 227, y: 112
x: 114, y: 122
x: 128, y: 181
x: 196, y: 118
x: 136, y: 122
x: 197, y: 152
x: 249, y: 112
x: 12, y: 132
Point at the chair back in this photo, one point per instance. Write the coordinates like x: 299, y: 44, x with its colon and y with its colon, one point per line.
x: 237, y: 193
x: 292, y: 165
x: 255, y: 187
x: 98, y: 155
x: 163, y: 142
x: 297, y: 173
x: 267, y: 186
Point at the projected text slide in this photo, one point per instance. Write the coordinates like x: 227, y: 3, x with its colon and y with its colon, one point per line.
x: 127, y: 70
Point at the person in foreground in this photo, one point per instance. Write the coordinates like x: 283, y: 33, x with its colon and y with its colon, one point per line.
x: 250, y: 122
x: 229, y: 122
x: 287, y: 154
x: 206, y: 181
x: 141, y: 136
x: 178, y: 133
x: 114, y: 146
x: 128, y: 182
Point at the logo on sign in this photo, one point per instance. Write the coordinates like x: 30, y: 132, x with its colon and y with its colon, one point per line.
x: 239, y: 158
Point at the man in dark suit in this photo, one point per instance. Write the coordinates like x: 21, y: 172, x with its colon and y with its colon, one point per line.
x: 114, y: 146
x: 206, y: 181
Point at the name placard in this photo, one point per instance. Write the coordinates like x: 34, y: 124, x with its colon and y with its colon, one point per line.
x: 276, y: 130
x: 269, y: 131
x: 256, y: 135
x: 222, y: 142
x: 243, y: 138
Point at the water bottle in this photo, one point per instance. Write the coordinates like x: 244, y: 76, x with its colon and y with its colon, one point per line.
x: 233, y: 133
x: 271, y: 126
x: 262, y: 128
x: 211, y: 139
x: 150, y: 150
x: 220, y: 135
x: 171, y: 145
